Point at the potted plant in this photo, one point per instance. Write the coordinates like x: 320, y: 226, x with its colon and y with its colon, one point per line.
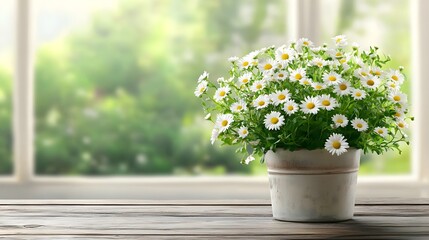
x: 309, y: 112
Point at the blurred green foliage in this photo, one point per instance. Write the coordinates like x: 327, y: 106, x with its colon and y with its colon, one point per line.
x: 117, y: 96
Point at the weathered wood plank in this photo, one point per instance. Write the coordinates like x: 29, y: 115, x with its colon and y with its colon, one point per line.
x: 201, y: 220
x: 187, y: 211
x: 195, y: 237
x: 251, y: 202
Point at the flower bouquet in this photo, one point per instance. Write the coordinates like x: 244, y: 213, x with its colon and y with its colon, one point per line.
x: 299, y: 96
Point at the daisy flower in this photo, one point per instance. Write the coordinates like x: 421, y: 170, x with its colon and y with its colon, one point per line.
x: 318, y: 86
x: 290, y: 107
x: 304, y: 42
x: 376, y: 71
x: 359, y: 124
x: 297, y: 74
x: 382, y: 131
x: 327, y: 102
x: 370, y: 81
x: 399, y: 114
x: 257, y: 86
x: 268, y: 65
x: 280, y: 97
x: 238, y: 106
x: 361, y: 73
x: 281, y: 75
x: 274, y: 120
x: 305, y: 81
x: 310, y: 105
x: 358, y: 94
x: 285, y: 55
x: 401, y: 124
x: 215, y: 135
x: 203, y: 76
x: 245, y: 78
x: 223, y: 122
x: 392, y: 85
x: 318, y: 62
x: 340, y: 40
x: 343, y: 88
x: 398, y: 97
x: 261, y: 102
x: 336, y: 144
x: 340, y: 120
x: 233, y: 59
x: 245, y: 62
x: 332, y: 78
x: 395, y: 76
x: 201, y: 88
x: 221, y: 93
x: 243, y: 132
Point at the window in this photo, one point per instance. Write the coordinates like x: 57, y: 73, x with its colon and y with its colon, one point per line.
x: 102, y: 119
x: 7, y: 15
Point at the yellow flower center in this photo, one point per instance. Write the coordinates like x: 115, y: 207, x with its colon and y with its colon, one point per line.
x: 310, y: 105
x: 224, y: 123
x: 358, y: 94
x: 359, y: 125
x: 274, y: 120
x: 343, y: 87
x: 258, y: 86
x: 290, y: 107
x: 343, y: 60
x: 245, y: 80
x: 397, y: 98
x: 326, y: 102
x: 394, y: 77
x: 202, y: 89
x: 338, y: 40
x: 281, y: 75
x: 285, y: 56
x: 380, y: 131
x: 239, y: 107
x: 332, y: 78
x: 340, y: 120
x: 222, y: 93
x: 244, y: 131
x: 364, y: 74
x: 298, y: 76
x: 393, y: 85
x: 398, y: 114
x: 318, y: 87
x: 338, y: 54
x: 306, y: 43
x: 370, y: 82
x: 268, y: 66
x: 306, y: 82
x: 281, y: 97
x: 245, y: 63
x: 261, y: 103
x: 319, y: 64
x: 336, y: 144
x: 401, y: 125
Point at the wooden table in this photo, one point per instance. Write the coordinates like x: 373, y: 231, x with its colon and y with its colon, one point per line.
x: 71, y: 219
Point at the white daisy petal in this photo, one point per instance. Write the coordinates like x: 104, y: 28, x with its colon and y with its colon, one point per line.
x: 336, y: 144
x: 310, y: 105
x: 359, y: 124
x: 261, y: 101
x: 221, y: 93
x: 290, y: 107
x: 201, y: 88
x: 280, y: 97
x: 340, y: 120
x: 274, y: 120
x: 327, y: 102
x: 223, y: 122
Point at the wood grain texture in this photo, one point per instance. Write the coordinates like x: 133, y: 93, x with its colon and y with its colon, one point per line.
x: 56, y: 219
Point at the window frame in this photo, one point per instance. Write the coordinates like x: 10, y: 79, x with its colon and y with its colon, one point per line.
x: 302, y: 18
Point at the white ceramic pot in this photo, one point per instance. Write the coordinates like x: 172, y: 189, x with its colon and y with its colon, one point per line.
x: 312, y: 185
